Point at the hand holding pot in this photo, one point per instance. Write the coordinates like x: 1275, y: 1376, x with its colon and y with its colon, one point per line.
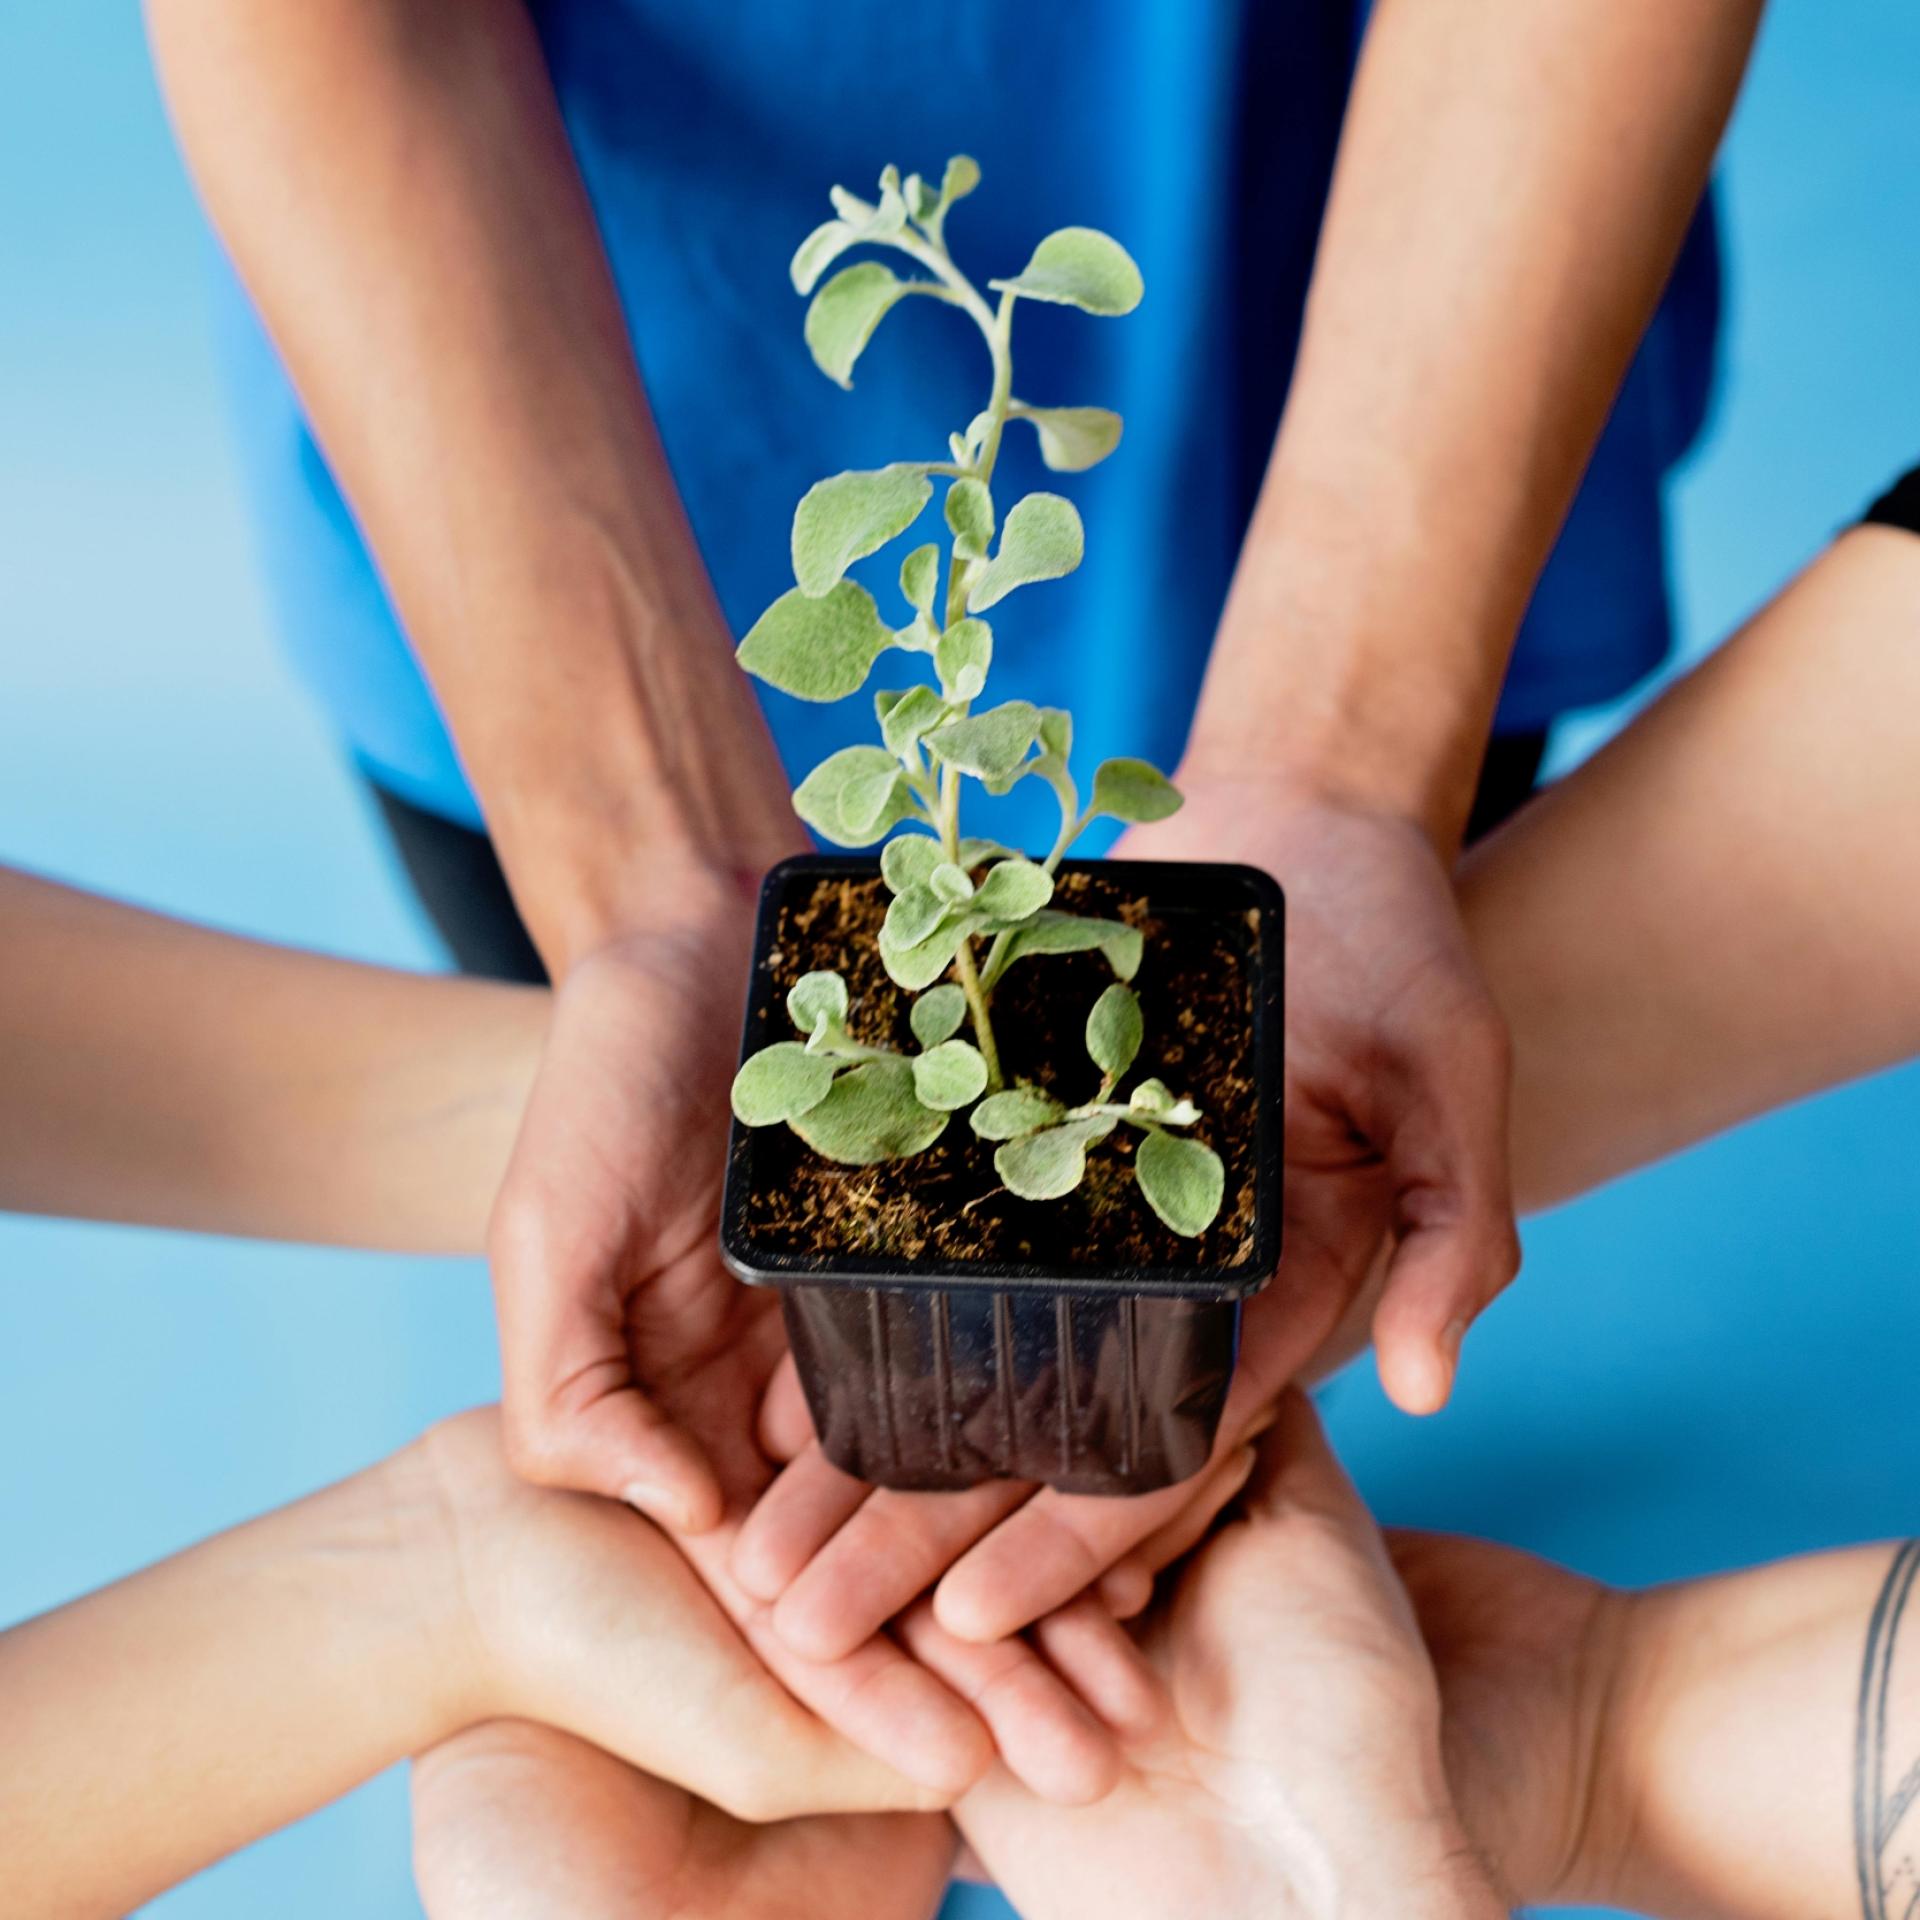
x: 1298, y: 1768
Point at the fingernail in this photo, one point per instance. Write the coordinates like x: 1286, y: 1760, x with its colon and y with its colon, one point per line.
x: 661, y: 1507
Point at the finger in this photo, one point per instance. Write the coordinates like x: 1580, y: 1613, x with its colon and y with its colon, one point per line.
x: 1098, y: 1659
x: 809, y: 1503
x: 1048, y: 1739
x: 886, y: 1704
x: 1126, y: 1588
x: 1453, y: 1218
x: 786, y: 1424
x: 1188, y: 1528
x: 572, y: 1415
x: 1056, y: 1547
x: 886, y: 1555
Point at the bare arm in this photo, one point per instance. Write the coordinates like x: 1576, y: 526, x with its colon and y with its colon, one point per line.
x: 395, y: 184
x: 158, y: 1072
x: 1720, y: 912
x: 1513, y: 185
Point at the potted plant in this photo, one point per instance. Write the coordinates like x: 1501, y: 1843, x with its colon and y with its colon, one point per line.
x: 1007, y: 1128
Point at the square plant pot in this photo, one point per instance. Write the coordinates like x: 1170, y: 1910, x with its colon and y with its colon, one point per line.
x: 947, y: 1332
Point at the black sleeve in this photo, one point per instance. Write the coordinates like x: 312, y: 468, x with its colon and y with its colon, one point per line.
x: 1899, y: 506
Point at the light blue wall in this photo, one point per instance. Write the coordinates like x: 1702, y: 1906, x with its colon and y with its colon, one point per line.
x: 1703, y: 1366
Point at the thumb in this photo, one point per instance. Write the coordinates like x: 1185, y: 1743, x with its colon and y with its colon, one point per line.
x: 1440, y: 1279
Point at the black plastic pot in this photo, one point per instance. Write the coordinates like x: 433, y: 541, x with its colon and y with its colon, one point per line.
x: 1094, y: 1379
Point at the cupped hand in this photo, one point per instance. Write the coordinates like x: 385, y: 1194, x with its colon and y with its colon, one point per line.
x: 514, y: 1821
x: 1396, y: 1112
x: 1298, y: 1765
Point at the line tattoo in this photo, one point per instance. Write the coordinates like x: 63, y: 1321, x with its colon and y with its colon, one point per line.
x: 1883, y: 1837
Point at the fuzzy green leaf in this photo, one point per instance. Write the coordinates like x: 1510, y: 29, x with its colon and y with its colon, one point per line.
x: 989, y: 745
x: 870, y: 1114
x: 844, y: 314
x: 970, y: 518
x: 949, y: 1076
x: 974, y: 852
x: 960, y: 179
x: 938, y: 1014
x: 922, y: 963
x: 907, y: 716
x: 963, y: 655
x: 1154, y: 1100
x: 1050, y: 931
x: 817, y: 649
x: 1115, y: 1030
x: 951, y: 884
x: 914, y: 913
x: 1135, y: 791
x: 1012, y: 890
x: 854, y: 797
x: 1182, y: 1180
x: 819, y: 250
x: 1072, y: 439
x: 1042, y: 540
x: 1005, y: 1116
x: 920, y: 578
x: 1079, y: 267
x: 908, y: 860
x: 778, y: 1083
x: 1047, y: 1164
x: 841, y: 520
x: 1056, y: 733
x: 815, y: 997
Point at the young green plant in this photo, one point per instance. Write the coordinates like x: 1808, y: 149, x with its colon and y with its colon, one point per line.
x: 962, y: 910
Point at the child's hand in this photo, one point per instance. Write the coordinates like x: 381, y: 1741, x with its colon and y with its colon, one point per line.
x: 513, y: 1821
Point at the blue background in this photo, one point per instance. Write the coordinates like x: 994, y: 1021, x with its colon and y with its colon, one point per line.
x: 1704, y: 1366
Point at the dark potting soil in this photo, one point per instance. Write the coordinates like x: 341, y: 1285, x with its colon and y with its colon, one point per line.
x: 946, y: 1207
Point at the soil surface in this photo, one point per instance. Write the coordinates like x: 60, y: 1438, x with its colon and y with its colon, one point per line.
x: 946, y: 1206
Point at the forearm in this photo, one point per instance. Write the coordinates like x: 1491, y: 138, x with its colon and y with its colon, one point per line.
x: 1720, y: 912
x: 1513, y: 184
x: 157, y: 1072
x: 394, y: 182
x: 1759, y: 1749
x: 155, y: 1726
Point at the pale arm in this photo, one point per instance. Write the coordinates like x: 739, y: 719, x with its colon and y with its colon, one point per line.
x: 161, y: 1073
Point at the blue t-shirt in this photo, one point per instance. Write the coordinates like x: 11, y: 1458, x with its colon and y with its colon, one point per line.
x: 1199, y: 132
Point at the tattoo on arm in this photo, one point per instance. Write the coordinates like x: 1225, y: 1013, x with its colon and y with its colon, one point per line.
x: 1886, y: 1822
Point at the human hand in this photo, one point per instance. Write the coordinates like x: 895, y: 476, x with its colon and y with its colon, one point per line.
x: 1396, y: 1090
x: 1297, y: 1767
x: 513, y: 1821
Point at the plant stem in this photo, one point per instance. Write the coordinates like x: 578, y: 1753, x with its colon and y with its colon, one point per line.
x: 963, y: 966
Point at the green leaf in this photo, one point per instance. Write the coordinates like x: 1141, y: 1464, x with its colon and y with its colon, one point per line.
x: 1044, y: 1165
x: 1042, y: 540
x: 922, y: 963
x: 963, y: 655
x: 950, y: 1075
x: 989, y: 745
x: 1056, y: 733
x: 838, y: 798
x: 1132, y: 790
x: 951, y: 884
x: 880, y: 222
x: 779, y: 1083
x: 974, y: 852
x: 922, y: 198
x: 819, y: 250
x: 907, y: 716
x: 1051, y: 931
x: 844, y: 314
x: 1183, y: 1181
x: 960, y: 179
x: 870, y: 1114
x: 841, y: 520
x: 1115, y: 1030
x: 1013, y: 890
x: 909, y: 860
x: 920, y: 578
x: 1072, y: 439
x: 914, y: 913
x: 1079, y: 267
x: 815, y: 997
x: 817, y: 649
x: 1005, y: 1116
x: 1153, y: 1100
x: 970, y: 517
x: 938, y: 1014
